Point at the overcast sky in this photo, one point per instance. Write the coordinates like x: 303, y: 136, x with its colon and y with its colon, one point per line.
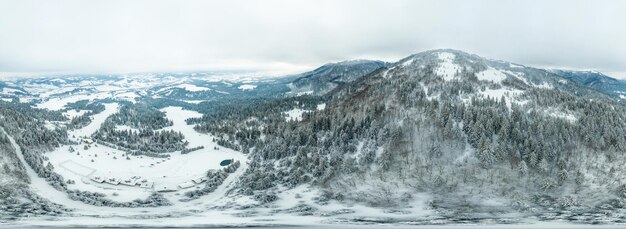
x: 153, y: 35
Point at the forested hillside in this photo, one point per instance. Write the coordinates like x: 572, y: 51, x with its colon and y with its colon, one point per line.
x: 456, y: 126
x: 464, y: 136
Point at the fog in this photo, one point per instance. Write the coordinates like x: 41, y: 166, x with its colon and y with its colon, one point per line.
x: 289, y: 36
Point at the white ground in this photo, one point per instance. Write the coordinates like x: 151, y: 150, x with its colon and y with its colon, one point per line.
x: 74, y: 113
x: 58, y: 103
x: 193, y: 213
x: 557, y: 113
x: 96, y: 122
x: 408, y: 62
x: 125, y: 127
x: 309, y: 92
x: 492, y: 75
x: 294, y: 114
x: 246, y: 87
x: 187, y: 87
x: 510, y: 95
x: 103, y: 215
x: 106, y: 162
x: 10, y: 91
x: 447, y: 68
x: 498, y: 93
x: 193, y: 101
x: 129, y: 96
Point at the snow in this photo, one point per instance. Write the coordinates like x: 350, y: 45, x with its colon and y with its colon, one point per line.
x: 447, y: 68
x: 492, y: 75
x: 38, y: 184
x: 386, y: 74
x: 553, y: 112
x: 74, y: 113
x: 498, y: 93
x: 58, y: 103
x: 408, y: 62
x: 545, y: 85
x: 510, y: 95
x: 246, y: 87
x: 96, y: 122
x: 295, y: 114
x: 49, y: 125
x: 164, y: 172
x: 125, y: 127
x: 207, y: 212
x: 129, y: 96
x: 193, y: 101
x: 187, y: 87
x: 192, y: 88
x: 431, y: 96
x: 7, y: 100
x: 107, y: 87
x: 310, y: 92
x: 7, y: 90
x: 321, y: 106
x: 469, y: 150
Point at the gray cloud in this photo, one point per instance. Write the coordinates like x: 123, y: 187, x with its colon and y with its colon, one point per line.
x: 154, y: 35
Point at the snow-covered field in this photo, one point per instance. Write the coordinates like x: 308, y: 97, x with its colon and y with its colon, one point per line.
x: 491, y: 74
x: 187, y: 87
x: 447, y: 68
x: 295, y: 114
x: 247, y: 87
x: 194, y: 101
x: 93, y: 160
x: 96, y: 122
x: 59, y: 103
x: 74, y: 113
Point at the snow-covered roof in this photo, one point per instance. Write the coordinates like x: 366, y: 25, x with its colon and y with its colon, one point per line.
x: 188, y: 184
x: 199, y: 180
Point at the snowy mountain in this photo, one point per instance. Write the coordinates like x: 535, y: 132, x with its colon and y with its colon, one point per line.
x: 596, y: 80
x: 438, y: 137
x: 459, y: 133
x: 325, y: 78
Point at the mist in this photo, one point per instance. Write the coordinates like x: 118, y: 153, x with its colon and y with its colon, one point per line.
x: 291, y: 36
